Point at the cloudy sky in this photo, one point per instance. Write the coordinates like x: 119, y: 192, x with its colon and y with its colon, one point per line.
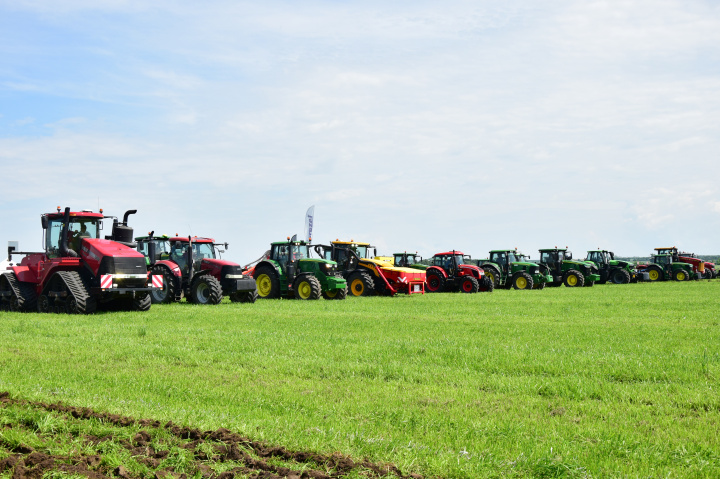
x: 416, y: 125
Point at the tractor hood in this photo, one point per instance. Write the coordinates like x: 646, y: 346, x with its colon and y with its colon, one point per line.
x: 116, y: 258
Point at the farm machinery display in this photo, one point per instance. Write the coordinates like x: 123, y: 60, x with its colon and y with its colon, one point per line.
x: 710, y: 270
x: 614, y: 270
x: 368, y: 274
x: 451, y: 271
x: 508, y: 268
x: 287, y: 270
x: 191, y: 268
x: 78, y: 272
x: 666, y: 264
x: 565, y: 270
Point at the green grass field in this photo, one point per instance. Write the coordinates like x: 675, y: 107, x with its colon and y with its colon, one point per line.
x: 609, y: 381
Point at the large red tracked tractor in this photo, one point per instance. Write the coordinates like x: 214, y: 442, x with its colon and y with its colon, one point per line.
x: 78, y: 271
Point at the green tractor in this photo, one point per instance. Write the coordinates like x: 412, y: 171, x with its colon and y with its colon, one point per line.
x: 409, y: 260
x: 665, y: 264
x: 509, y: 268
x: 613, y: 270
x: 565, y: 270
x: 287, y: 270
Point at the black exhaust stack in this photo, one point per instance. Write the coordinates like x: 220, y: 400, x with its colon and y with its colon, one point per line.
x: 122, y: 233
x: 151, y: 249
x: 65, y: 250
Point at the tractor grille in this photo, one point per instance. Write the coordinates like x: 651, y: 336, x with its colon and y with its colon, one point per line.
x: 124, y: 266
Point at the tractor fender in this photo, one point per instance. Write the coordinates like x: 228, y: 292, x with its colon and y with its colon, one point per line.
x: 272, y: 264
x: 173, y: 267
x: 24, y: 274
x: 437, y: 270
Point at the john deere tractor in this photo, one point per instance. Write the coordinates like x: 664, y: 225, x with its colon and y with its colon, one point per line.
x: 564, y: 270
x: 191, y: 268
x: 613, y: 270
x: 508, y: 268
x: 287, y: 270
x: 666, y: 264
x: 368, y: 274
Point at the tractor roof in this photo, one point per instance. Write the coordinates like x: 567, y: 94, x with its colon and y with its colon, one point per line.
x: 552, y: 249
x: 673, y: 248
x: 351, y: 242
x: 77, y: 214
x: 509, y: 250
x: 297, y: 242
x: 449, y: 253
x: 195, y: 239
x: 405, y: 252
x: 145, y: 238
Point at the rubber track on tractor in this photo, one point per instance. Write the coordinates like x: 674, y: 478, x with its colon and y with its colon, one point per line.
x: 79, y: 290
x: 25, y: 294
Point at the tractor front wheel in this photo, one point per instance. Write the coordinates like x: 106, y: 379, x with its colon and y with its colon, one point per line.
x: 206, y: 289
x: 142, y: 302
x: 361, y: 284
x: 434, y: 282
x: 492, y: 274
x: 167, y: 293
x: 681, y: 275
x: 307, y: 287
x: 619, y: 276
x: 522, y: 280
x: 335, y: 294
x: 244, y: 297
x: 468, y: 284
x: 574, y: 278
x: 268, y: 283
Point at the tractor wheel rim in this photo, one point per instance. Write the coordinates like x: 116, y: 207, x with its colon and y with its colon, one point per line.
x: 433, y: 283
x: 358, y: 287
x: 331, y: 294
x: 264, y: 285
x: 304, y: 290
x: 521, y: 283
x: 654, y: 275
x: 681, y: 276
x: 572, y: 280
x: 467, y: 286
x: 203, y: 293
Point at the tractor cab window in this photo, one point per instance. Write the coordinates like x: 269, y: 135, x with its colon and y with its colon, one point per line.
x: 400, y: 260
x: 459, y: 259
x: 361, y: 251
x: 298, y: 252
x: 597, y: 257
x: 162, y: 247
x: 440, y: 261
x: 178, y: 254
x: 499, y: 258
x: 202, y: 251
x: 512, y: 258
x: 78, y: 228
x: 548, y: 257
x: 280, y: 253
x: 662, y: 259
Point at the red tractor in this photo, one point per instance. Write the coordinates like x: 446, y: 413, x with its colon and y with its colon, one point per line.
x: 450, y: 272
x: 78, y: 271
x: 190, y: 268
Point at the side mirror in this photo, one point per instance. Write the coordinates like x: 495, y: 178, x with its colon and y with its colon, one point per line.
x: 44, y: 222
x: 226, y: 245
x: 568, y: 255
x: 12, y: 246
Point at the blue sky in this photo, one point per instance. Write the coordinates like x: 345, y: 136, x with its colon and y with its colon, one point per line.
x: 414, y: 125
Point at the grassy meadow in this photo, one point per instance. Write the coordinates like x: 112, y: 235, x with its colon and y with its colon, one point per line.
x: 609, y: 381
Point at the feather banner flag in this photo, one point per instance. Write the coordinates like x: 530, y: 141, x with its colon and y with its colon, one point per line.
x: 309, y: 217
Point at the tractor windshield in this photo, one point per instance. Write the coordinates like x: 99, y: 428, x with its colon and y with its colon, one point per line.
x: 459, y: 259
x: 162, y: 247
x: 78, y: 228
x: 298, y: 251
x: 597, y: 257
x: 361, y: 251
x: 203, y: 250
x: 513, y: 258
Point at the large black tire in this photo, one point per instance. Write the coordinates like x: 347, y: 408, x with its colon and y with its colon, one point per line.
x: 268, y: 283
x: 522, y: 280
x: 307, y: 287
x: 361, y: 284
x: 170, y: 285
x: 486, y: 285
x: 434, y: 281
x: 619, y: 276
x: 655, y: 273
x: 492, y: 273
x: 468, y: 284
x: 573, y: 278
x: 206, y: 289
x: 539, y: 285
x: 707, y: 274
x: 142, y: 302
x: 589, y: 284
x: 244, y: 297
x: 335, y: 294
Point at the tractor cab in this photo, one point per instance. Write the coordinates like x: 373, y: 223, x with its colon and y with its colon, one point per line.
x: 161, y: 251
x: 406, y: 260
x: 450, y: 262
x: 600, y: 257
x: 84, y: 224
x: 288, y: 254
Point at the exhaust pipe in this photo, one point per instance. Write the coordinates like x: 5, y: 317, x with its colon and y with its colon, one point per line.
x: 65, y: 250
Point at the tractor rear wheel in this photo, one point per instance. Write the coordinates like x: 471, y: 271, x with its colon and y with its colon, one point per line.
x: 655, y: 273
x: 486, y: 285
x: 522, y: 280
x: 574, y: 278
x: 307, y: 287
x: 707, y: 274
x: 493, y: 274
x: 268, y: 283
x: 468, y: 284
x: 142, y: 302
x: 434, y: 282
x: 335, y: 294
x: 206, y: 289
x: 361, y: 284
x: 619, y: 276
x: 167, y: 293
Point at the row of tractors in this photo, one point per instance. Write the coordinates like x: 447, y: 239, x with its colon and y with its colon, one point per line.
x: 79, y: 272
